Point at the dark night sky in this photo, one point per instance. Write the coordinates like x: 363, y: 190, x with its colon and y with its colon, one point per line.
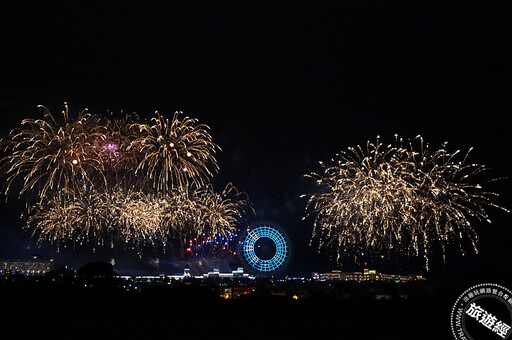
x: 282, y: 86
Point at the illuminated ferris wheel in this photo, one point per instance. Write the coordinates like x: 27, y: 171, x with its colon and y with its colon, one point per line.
x: 265, y: 248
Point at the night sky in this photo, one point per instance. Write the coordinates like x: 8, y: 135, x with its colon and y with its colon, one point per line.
x: 282, y: 86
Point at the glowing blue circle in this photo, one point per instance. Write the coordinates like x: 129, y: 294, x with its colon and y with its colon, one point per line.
x: 279, y: 240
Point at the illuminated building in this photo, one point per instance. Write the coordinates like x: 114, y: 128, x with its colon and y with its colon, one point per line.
x: 238, y: 273
x: 186, y: 273
x: 215, y: 273
x: 26, y: 267
x: 365, y: 275
x: 334, y: 275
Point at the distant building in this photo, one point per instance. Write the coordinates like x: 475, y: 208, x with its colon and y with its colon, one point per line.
x: 365, y: 275
x: 235, y: 274
x: 239, y: 273
x: 26, y: 267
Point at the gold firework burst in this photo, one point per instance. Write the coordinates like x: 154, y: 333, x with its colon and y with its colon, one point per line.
x: 401, y: 196
x: 52, y: 153
x: 176, y: 152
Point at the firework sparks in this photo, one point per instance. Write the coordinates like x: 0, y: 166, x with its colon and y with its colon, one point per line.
x: 215, y: 219
x: 114, y: 149
x: 397, y: 197
x: 55, y: 220
x: 204, y: 211
x: 221, y: 212
x: 137, y: 218
x: 67, y: 217
x: 176, y: 152
x: 52, y: 153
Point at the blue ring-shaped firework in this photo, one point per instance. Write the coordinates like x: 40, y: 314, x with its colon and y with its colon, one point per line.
x: 282, y: 248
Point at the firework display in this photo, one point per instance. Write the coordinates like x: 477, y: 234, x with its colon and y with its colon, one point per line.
x: 114, y: 149
x: 66, y: 216
x: 53, y: 153
x: 99, y: 178
x: 199, y: 212
x: 175, y: 152
x: 398, y: 197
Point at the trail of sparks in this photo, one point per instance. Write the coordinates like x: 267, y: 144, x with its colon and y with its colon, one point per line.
x: 398, y: 197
